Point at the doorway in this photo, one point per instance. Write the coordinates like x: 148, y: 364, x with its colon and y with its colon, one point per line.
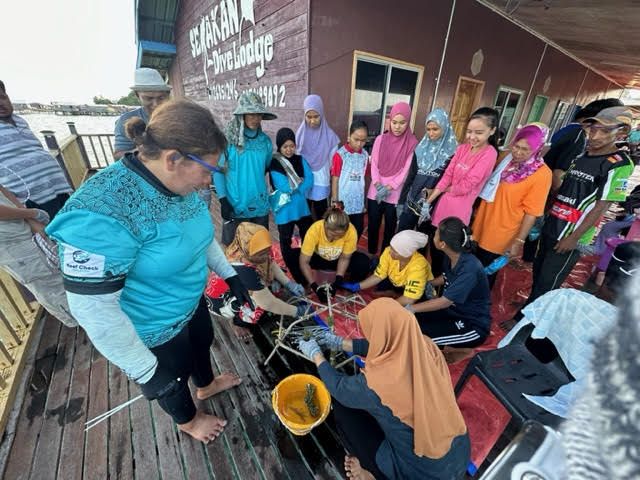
x: 465, y: 101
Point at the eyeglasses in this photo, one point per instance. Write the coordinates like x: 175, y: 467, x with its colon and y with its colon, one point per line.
x: 195, y: 158
x: 602, y: 128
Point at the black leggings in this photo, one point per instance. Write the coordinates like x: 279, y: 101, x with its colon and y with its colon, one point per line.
x: 374, y: 216
x: 357, y: 270
x: 291, y: 259
x: 187, y: 355
x: 360, y: 434
x: 318, y: 207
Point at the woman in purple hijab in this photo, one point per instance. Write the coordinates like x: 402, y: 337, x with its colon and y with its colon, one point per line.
x: 317, y: 143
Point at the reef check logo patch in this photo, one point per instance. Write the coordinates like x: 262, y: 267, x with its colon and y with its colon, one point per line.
x: 80, y: 263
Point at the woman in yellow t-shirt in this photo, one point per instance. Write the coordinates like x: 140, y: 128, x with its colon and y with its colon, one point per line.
x: 330, y: 244
x: 401, y: 269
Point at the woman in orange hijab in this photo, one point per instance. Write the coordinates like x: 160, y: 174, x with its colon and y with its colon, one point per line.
x: 399, y: 419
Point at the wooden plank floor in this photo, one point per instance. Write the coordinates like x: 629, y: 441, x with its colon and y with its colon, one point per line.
x: 72, y: 382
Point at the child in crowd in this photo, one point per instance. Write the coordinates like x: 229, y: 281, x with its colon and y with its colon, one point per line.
x: 402, y: 269
x: 330, y: 244
x: 348, y: 172
x: 465, y: 176
x: 250, y: 256
x: 391, y: 159
x: 317, y: 143
x: 461, y: 316
x: 291, y: 178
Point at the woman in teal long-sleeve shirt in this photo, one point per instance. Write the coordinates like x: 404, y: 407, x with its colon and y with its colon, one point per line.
x: 292, y: 178
x: 241, y: 186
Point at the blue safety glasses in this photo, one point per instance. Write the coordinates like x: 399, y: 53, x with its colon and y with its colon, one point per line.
x: 195, y: 158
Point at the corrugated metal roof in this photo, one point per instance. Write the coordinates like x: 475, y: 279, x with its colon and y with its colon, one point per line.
x: 156, y: 20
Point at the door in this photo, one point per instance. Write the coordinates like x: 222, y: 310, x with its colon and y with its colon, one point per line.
x: 465, y: 102
x: 537, y: 108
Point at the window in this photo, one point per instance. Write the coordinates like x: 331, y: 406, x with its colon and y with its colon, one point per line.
x: 507, y: 104
x: 378, y: 83
x: 537, y: 108
x: 559, y: 116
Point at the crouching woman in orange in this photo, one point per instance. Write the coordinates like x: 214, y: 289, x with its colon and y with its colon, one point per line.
x: 399, y: 418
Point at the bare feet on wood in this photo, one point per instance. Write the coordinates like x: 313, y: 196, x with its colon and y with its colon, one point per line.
x: 221, y: 383
x: 354, y: 469
x: 204, y: 427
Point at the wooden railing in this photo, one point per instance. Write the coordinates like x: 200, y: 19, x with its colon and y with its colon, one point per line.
x: 80, y: 155
x: 18, y: 318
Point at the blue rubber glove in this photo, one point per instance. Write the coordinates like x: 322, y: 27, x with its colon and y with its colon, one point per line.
x: 303, y: 309
x: 309, y: 348
x: 351, y: 286
x: 328, y: 339
x: 295, y: 288
x: 410, y: 308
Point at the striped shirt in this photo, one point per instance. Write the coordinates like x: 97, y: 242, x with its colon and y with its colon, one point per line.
x: 26, y: 168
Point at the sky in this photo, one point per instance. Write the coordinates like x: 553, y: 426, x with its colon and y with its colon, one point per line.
x: 67, y: 50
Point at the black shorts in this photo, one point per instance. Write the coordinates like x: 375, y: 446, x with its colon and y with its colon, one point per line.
x: 446, y: 328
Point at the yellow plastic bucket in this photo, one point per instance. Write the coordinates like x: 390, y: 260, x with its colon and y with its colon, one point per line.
x: 288, y: 401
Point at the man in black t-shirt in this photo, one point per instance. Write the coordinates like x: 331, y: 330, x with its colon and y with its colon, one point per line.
x: 592, y: 182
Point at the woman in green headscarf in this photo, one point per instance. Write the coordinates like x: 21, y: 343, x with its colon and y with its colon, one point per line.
x: 240, y: 183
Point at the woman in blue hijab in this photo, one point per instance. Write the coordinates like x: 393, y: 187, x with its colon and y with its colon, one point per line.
x: 431, y: 158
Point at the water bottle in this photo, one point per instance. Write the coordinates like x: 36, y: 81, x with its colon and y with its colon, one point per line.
x: 496, y: 265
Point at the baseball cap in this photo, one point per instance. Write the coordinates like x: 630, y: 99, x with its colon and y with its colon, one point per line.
x: 612, y: 117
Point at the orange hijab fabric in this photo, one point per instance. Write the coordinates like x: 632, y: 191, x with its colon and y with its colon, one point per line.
x: 410, y: 375
x: 250, y: 238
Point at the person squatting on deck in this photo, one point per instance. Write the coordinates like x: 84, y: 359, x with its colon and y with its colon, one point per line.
x: 136, y: 244
x: 399, y: 418
x: 250, y: 256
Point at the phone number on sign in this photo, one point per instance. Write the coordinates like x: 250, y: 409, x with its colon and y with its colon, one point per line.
x: 271, y: 95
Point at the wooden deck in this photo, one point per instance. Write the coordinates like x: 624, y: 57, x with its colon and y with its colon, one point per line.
x: 73, y: 383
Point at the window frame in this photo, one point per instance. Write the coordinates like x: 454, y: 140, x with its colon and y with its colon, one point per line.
x: 555, y: 123
x: 509, y: 90
x: 546, y: 102
x: 388, y: 62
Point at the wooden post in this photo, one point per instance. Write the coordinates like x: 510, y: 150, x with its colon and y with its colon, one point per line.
x: 54, y: 148
x: 74, y: 131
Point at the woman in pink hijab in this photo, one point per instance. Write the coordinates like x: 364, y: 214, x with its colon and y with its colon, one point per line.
x: 391, y: 158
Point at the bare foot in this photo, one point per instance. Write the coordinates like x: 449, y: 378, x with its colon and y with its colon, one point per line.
x: 221, y: 383
x: 354, y: 469
x: 204, y: 427
x: 242, y: 333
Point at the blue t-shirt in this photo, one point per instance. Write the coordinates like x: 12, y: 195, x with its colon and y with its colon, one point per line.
x: 123, y: 230
x: 122, y: 143
x: 243, y: 181
x: 466, y: 285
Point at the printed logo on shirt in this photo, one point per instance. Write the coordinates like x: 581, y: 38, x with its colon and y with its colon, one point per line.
x: 565, y: 212
x: 80, y: 263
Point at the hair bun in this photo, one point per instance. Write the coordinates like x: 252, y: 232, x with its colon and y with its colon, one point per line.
x: 135, y: 129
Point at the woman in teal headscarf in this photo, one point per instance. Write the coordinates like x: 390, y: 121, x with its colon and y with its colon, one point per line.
x: 432, y: 156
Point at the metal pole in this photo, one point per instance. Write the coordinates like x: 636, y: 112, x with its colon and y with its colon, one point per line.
x: 444, y: 53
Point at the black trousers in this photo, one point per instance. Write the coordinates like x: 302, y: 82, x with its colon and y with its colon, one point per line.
x: 291, y: 259
x: 318, y: 208
x: 52, y: 207
x: 375, y: 214
x: 437, y: 256
x: 445, y: 328
x: 550, y: 268
x: 408, y: 220
x: 229, y: 227
x: 357, y: 270
x: 360, y: 434
x: 357, y: 220
x: 486, y: 257
x: 187, y: 355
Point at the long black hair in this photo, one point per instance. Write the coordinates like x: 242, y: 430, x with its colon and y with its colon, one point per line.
x: 490, y: 117
x: 456, y: 235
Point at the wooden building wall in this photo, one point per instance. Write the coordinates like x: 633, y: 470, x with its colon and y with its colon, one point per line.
x: 414, y: 31
x: 282, y: 84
